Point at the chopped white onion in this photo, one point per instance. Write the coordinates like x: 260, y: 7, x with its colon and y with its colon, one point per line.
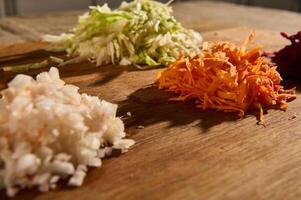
x: 49, y: 131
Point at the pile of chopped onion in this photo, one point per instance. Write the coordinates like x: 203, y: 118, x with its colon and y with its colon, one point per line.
x: 228, y: 78
x: 48, y: 132
x: 142, y: 32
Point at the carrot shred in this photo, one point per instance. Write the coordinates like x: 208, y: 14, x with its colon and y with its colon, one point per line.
x: 227, y: 77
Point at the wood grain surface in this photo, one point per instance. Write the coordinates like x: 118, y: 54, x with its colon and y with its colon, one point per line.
x: 182, y: 153
x: 201, y: 16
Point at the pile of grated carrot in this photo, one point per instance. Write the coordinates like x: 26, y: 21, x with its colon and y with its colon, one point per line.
x: 228, y: 78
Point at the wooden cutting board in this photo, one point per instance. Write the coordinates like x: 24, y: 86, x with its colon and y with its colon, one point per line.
x: 182, y: 153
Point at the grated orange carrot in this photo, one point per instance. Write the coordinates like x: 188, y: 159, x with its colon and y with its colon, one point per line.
x: 228, y: 78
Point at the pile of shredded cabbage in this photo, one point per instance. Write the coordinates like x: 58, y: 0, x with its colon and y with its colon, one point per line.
x: 142, y: 32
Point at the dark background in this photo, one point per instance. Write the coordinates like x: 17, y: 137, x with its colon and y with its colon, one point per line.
x: 29, y: 7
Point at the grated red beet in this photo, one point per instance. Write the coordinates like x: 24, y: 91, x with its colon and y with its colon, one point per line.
x: 288, y: 59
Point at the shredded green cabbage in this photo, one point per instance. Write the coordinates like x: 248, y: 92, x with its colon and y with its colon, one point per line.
x: 142, y: 32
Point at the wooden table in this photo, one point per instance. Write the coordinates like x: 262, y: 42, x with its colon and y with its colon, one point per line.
x: 202, y: 16
x: 182, y: 153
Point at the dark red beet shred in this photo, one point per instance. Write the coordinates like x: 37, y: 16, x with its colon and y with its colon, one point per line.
x: 288, y: 59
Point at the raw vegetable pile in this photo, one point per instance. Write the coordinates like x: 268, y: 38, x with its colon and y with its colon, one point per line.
x: 288, y: 59
x: 142, y: 32
x: 226, y: 77
x: 49, y: 132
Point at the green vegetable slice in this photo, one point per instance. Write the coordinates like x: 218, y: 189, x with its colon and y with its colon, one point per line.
x: 142, y: 32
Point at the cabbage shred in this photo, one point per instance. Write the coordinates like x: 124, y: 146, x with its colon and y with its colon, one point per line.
x: 142, y: 32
